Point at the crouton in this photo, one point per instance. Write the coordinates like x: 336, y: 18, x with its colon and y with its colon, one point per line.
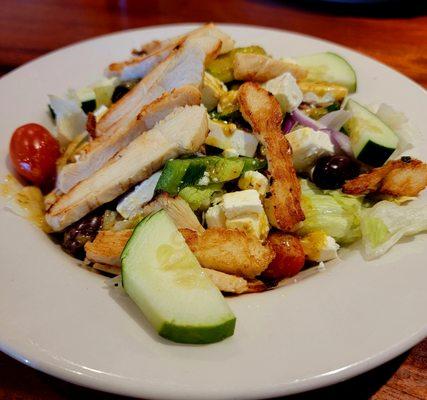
x: 229, y: 250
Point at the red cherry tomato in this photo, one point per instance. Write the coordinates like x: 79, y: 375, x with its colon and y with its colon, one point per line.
x: 289, y: 258
x: 34, y: 151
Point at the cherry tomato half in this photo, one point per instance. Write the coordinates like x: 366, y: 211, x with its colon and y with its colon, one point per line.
x: 289, y: 258
x: 34, y: 151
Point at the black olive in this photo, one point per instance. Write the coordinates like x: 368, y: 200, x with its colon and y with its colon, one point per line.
x: 80, y: 233
x: 405, y: 159
x: 119, y: 92
x: 332, y: 171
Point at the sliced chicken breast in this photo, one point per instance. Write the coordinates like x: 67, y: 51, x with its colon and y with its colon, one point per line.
x: 101, y: 149
x: 184, y: 66
x: 260, y: 68
x: 152, y: 53
x: 181, y: 132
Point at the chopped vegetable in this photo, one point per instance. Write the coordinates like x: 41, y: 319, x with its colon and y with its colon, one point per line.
x: 332, y: 212
x: 329, y: 67
x: 34, y: 152
x: 178, y: 174
x: 373, y: 142
x: 386, y: 223
x: 222, y: 66
x: 164, y: 278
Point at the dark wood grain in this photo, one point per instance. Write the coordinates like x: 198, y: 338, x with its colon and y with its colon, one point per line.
x: 29, y: 29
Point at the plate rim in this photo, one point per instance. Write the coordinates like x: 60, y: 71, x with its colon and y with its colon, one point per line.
x: 90, y: 381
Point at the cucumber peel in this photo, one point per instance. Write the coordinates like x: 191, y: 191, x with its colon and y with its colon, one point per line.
x: 329, y: 67
x: 163, y: 277
x: 372, y: 141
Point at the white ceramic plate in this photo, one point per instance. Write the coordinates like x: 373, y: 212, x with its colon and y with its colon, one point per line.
x: 65, y: 321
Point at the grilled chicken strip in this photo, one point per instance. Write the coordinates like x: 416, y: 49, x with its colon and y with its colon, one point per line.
x: 231, y: 251
x: 404, y: 177
x: 100, y: 150
x: 262, y: 111
x: 260, y: 68
x: 106, y: 249
x: 152, y: 53
x: 181, y: 132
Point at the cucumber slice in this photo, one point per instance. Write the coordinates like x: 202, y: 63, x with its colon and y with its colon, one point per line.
x: 329, y: 67
x: 372, y: 140
x: 87, y: 99
x: 178, y: 174
x: 199, y: 197
x: 165, y: 280
x: 104, y: 90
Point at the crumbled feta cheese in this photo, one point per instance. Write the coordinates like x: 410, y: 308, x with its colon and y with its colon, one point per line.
x: 215, y: 217
x: 143, y: 193
x: 308, y: 146
x: 227, y: 136
x: 237, y: 204
x: 230, y: 153
x: 313, y: 98
x: 254, y: 180
x: 319, y: 247
x: 286, y: 90
x: 204, y: 180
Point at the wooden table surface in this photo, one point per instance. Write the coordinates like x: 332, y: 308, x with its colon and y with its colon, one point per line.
x: 29, y: 29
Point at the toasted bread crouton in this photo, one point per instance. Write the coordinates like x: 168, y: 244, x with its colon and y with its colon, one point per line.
x: 107, y: 247
x: 260, y: 68
x: 109, y: 269
x: 229, y: 250
x: 262, y: 111
x: 395, y: 178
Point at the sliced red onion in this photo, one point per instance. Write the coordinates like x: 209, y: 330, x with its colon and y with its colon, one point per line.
x: 335, y: 119
x: 288, y: 123
x: 303, y: 119
x: 339, y: 139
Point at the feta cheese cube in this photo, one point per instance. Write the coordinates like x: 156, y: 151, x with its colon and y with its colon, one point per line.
x: 254, y: 180
x: 319, y: 247
x: 237, y: 204
x: 142, y: 194
x: 230, y: 153
x: 254, y: 224
x: 308, y: 146
x: 286, y: 90
x: 204, y: 180
x: 215, y: 217
x: 227, y: 136
x: 240, y: 210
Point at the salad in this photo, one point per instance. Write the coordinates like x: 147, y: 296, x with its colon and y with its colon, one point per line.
x: 198, y: 168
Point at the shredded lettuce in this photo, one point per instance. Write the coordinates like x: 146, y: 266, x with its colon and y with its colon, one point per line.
x: 333, y: 212
x: 398, y: 122
x: 386, y: 223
